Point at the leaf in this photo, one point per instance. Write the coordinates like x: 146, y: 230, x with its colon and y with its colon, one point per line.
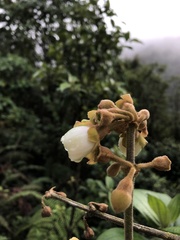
x: 25, y: 194
x: 3, y: 238
x: 140, y: 202
x: 4, y: 223
x: 127, y: 35
x: 101, y: 185
x: 112, y: 23
x: 160, y: 209
x: 64, y: 86
x: 116, y: 234
x: 174, y: 208
x: 174, y: 230
x: 109, y: 183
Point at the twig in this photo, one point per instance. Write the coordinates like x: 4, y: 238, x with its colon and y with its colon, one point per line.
x: 108, y: 217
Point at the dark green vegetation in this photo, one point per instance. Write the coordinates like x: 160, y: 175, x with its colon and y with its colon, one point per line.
x: 57, y: 61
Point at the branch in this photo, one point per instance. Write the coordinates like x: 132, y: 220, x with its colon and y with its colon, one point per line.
x: 118, y: 221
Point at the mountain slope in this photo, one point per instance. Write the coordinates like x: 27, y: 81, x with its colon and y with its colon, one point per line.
x: 163, y: 51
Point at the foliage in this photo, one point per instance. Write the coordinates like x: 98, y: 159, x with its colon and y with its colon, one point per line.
x: 52, y: 64
x: 63, y: 223
x: 116, y: 233
x: 58, y: 59
x: 158, y: 208
x: 146, y: 84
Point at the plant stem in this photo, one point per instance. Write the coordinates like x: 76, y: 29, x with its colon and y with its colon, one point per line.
x: 128, y: 214
x: 108, y: 217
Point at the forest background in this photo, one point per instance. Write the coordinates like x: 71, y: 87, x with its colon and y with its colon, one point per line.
x: 58, y: 59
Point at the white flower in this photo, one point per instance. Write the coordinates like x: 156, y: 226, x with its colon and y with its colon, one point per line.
x: 77, y: 143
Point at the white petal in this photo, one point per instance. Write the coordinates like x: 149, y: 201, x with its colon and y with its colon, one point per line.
x: 76, y: 143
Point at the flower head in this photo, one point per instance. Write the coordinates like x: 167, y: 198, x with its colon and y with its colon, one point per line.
x: 78, y: 142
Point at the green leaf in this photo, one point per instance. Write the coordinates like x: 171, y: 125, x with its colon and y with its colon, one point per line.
x: 25, y: 194
x: 101, y: 185
x: 64, y: 86
x: 140, y: 202
x: 4, y: 223
x: 109, y: 183
x: 160, y: 209
x: 3, y: 238
x: 116, y: 234
x: 174, y: 208
x: 174, y: 230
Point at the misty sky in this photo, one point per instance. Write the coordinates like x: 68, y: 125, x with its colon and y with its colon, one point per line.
x: 148, y: 19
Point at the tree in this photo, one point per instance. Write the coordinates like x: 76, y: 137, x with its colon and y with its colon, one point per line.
x: 146, y: 84
x: 52, y: 53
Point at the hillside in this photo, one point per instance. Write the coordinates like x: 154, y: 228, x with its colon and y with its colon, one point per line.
x: 163, y: 51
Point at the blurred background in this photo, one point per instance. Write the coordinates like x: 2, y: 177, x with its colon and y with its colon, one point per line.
x: 58, y: 59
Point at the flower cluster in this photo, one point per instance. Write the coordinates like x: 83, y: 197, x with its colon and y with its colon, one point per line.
x: 83, y: 141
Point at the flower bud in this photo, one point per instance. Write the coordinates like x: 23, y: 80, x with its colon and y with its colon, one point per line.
x: 46, y: 211
x: 106, y: 103
x: 161, y: 163
x: 120, y: 200
x: 76, y: 142
x: 113, y: 169
x: 88, y: 233
x: 103, y: 207
x: 93, y: 206
x: 121, y: 197
x: 62, y: 194
x: 143, y: 114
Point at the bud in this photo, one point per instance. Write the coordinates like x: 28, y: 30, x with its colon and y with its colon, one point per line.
x: 100, y: 206
x: 113, y: 169
x: 106, y: 103
x: 124, y: 98
x: 161, y: 163
x: 46, y: 211
x: 103, y: 207
x: 74, y: 238
x: 62, y: 194
x: 121, y: 197
x: 88, y: 233
x: 120, y: 200
x: 143, y: 114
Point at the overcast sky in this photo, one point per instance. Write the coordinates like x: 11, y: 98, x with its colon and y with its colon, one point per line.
x: 148, y: 19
